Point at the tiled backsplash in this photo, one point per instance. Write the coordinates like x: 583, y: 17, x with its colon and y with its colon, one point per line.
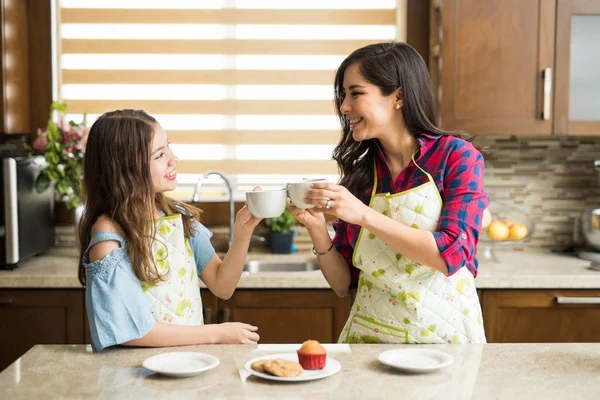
x: 550, y: 179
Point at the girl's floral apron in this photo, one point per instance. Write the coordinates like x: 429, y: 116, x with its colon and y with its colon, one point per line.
x: 177, y: 300
x: 400, y: 301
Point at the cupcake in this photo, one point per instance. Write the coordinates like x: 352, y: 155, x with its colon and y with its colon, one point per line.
x: 312, y: 355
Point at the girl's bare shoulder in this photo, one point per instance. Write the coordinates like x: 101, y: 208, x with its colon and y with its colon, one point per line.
x: 104, y: 224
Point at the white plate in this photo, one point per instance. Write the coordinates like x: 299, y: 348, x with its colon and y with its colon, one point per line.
x: 180, y: 364
x: 415, y: 360
x: 332, y: 366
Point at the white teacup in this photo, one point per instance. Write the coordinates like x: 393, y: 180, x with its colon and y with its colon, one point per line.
x: 267, y: 203
x: 297, y: 192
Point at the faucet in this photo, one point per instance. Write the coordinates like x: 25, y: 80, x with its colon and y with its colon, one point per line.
x: 196, y: 197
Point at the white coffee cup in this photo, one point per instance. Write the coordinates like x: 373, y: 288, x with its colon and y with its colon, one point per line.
x: 297, y: 192
x: 267, y: 203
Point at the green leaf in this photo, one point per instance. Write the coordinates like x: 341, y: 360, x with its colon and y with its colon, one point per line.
x: 52, y: 158
x: 42, y: 183
x: 73, y: 202
x: 282, y: 223
x: 61, y: 187
x: 58, y: 106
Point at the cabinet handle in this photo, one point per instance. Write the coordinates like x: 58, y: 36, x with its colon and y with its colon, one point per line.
x: 546, y: 93
x: 578, y: 300
x: 6, y: 300
x: 207, y: 315
x: 225, y: 314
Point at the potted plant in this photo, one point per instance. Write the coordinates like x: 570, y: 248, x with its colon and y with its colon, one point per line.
x: 63, y: 145
x: 282, y: 236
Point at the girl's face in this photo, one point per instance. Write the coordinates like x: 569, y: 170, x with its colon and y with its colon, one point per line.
x: 371, y: 114
x: 162, y: 163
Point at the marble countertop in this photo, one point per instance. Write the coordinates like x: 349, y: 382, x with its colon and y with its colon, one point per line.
x: 514, y: 270
x: 491, y: 371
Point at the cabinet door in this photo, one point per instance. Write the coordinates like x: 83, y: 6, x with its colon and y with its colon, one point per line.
x: 209, y: 306
x: 289, y: 316
x: 30, y: 317
x: 546, y: 316
x: 577, y: 106
x: 496, y: 66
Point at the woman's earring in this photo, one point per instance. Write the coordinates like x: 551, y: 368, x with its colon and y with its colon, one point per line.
x: 397, y: 106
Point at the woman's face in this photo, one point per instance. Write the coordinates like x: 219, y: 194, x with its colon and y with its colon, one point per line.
x: 371, y: 114
x: 162, y: 163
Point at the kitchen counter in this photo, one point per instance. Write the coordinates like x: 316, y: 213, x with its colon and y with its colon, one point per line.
x: 492, y: 371
x: 515, y: 270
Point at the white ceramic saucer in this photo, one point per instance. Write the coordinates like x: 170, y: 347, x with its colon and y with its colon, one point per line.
x: 416, y: 361
x: 180, y: 364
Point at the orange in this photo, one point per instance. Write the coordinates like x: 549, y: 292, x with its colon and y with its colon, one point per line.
x: 517, y: 231
x: 497, y: 230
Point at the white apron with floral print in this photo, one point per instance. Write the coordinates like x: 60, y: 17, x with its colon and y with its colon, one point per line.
x: 400, y: 301
x: 177, y: 300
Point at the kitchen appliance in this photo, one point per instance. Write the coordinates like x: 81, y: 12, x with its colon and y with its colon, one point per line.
x: 26, y: 216
x: 586, y: 232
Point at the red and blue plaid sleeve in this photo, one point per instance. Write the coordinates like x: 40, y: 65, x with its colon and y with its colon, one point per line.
x: 341, y: 241
x: 464, y: 203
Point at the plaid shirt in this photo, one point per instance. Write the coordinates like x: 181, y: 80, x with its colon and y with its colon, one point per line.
x: 457, y: 169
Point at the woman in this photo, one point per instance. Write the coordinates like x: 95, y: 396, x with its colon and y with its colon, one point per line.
x: 409, y: 207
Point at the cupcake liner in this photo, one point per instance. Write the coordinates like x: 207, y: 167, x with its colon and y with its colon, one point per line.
x: 312, y: 361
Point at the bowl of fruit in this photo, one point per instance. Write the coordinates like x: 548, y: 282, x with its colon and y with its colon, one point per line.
x: 503, y: 226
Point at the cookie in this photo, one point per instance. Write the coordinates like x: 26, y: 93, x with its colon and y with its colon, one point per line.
x: 283, y: 368
x: 259, y: 366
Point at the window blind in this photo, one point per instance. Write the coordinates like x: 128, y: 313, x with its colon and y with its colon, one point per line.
x: 240, y: 86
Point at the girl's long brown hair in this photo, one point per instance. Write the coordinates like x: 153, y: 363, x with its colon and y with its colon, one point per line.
x: 117, y: 184
x: 389, y: 66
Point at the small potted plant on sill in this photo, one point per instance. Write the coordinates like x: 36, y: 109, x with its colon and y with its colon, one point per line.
x: 282, y: 236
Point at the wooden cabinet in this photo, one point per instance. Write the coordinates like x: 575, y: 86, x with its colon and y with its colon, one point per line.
x: 577, y: 104
x: 36, y: 316
x: 209, y: 307
x: 528, y: 316
x: 25, y: 65
x: 289, y: 316
x: 514, y: 67
x: 496, y: 58
x: 282, y: 316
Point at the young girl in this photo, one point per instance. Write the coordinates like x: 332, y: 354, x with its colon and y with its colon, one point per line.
x: 409, y: 207
x: 142, y: 252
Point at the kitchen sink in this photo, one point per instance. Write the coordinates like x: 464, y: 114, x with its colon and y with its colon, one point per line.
x: 279, y: 266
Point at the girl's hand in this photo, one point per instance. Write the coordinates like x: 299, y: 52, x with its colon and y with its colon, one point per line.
x: 237, y: 333
x: 244, y: 219
x: 312, y: 218
x: 342, y: 204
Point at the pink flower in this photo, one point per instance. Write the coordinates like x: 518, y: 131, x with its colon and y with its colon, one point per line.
x: 40, y: 143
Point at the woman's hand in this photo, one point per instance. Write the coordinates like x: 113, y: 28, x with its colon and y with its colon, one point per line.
x: 342, y: 204
x: 312, y: 218
x: 236, y: 333
x: 244, y: 219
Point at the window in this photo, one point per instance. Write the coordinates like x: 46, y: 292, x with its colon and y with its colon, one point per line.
x: 240, y: 86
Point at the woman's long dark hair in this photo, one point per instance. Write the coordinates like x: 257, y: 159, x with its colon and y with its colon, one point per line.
x: 117, y: 183
x: 389, y: 66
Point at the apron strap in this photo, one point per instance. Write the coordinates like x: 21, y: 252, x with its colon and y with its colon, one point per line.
x: 417, y: 165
